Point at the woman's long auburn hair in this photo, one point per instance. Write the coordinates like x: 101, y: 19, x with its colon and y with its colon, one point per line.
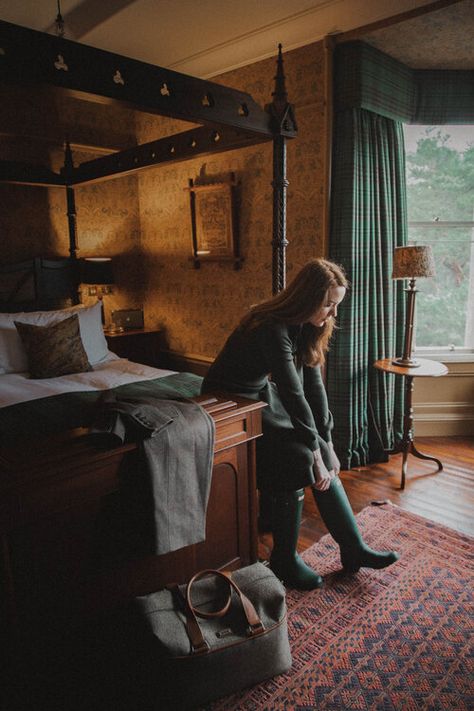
x: 297, y: 303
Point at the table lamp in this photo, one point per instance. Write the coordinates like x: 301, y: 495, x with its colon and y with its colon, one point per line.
x: 410, y: 263
x: 97, y: 271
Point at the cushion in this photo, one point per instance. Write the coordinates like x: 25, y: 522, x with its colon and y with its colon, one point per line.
x: 54, y: 350
x: 12, y: 352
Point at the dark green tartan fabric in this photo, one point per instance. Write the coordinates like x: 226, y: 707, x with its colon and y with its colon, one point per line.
x: 368, y: 220
x: 50, y: 415
x: 444, y: 97
x: 373, y: 94
x: 366, y: 78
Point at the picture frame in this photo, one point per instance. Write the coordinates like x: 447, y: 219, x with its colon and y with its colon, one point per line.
x: 214, y: 222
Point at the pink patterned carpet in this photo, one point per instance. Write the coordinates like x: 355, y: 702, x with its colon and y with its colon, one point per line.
x: 398, y: 639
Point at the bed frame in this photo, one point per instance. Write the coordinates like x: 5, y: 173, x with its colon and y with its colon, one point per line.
x: 228, y: 118
x: 48, y: 483
x: 38, y: 284
x: 64, y: 593
x: 51, y: 492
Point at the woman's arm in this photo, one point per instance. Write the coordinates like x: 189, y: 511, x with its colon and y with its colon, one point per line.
x: 315, y: 393
x: 279, y: 355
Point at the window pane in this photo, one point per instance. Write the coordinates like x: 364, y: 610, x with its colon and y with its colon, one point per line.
x: 440, y: 193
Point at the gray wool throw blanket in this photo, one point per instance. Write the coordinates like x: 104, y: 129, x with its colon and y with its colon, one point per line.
x: 170, y: 475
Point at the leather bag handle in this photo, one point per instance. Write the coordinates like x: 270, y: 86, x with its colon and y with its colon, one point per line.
x: 214, y: 613
x: 198, y: 643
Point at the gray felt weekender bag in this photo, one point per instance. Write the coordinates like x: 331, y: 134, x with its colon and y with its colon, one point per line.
x: 214, y: 636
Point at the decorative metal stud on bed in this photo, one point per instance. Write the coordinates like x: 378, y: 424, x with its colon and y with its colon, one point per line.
x: 229, y: 118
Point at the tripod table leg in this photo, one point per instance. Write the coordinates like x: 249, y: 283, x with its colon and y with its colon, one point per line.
x: 420, y: 455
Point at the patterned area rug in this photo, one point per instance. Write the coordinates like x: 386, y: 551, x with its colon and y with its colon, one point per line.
x: 397, y: 639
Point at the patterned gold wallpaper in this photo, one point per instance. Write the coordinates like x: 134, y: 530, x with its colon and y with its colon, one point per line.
x: 144, y: 220
x: 198, y: 308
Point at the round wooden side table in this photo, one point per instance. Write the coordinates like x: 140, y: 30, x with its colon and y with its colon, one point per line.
x: 425, y: 369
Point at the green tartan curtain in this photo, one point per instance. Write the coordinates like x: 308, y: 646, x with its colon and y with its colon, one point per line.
x: 444, y: 96
x: 366, y: 78
x: 373, y: 94
x: 368, y: 221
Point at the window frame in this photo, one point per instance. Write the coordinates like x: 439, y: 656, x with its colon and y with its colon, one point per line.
x: 448, y: 354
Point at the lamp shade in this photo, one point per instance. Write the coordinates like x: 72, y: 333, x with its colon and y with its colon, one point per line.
x: 412, y: 262
x: 97, y: 270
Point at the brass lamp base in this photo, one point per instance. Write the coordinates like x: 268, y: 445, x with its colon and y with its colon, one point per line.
x: 112, y: 330
x: 406, y: 362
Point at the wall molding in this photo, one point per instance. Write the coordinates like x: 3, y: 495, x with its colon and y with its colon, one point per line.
x: 297, y: 29
x: 444, y: 418
x: 300, y: 19
x: 444, y: 408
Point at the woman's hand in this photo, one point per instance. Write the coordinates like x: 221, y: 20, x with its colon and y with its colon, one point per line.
x: 336, y: 464
x: 322, y: 475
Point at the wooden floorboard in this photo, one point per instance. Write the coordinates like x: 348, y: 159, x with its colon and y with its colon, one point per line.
x: 446, y: 497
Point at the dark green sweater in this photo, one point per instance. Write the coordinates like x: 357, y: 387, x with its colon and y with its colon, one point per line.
x: 297, y: 416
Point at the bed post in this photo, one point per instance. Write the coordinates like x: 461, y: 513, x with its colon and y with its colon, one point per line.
x: 283, y: 126
x: 71, y: 218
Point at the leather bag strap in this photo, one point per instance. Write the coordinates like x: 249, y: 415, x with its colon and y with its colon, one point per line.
x: 198, y: 643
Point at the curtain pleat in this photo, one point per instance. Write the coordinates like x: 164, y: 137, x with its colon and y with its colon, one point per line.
x: 368, y: 221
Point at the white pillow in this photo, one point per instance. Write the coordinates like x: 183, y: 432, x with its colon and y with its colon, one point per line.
x: 92, y: 333
x: 12, y: 354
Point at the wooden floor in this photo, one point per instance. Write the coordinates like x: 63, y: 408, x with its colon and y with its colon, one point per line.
x: 446, y: 496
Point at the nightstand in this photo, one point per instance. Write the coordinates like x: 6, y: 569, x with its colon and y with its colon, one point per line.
x: 142, y: 345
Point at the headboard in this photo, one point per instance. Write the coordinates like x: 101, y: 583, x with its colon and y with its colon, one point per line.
x: 38, y: 284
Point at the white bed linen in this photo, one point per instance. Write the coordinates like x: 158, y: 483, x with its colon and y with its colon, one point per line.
x: 18, y: 387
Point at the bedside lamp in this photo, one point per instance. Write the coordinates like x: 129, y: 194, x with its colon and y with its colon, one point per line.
x: 97, y: 272
x: 410, y: 263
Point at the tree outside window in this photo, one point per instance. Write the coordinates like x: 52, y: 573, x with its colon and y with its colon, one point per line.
x: 440, y: 195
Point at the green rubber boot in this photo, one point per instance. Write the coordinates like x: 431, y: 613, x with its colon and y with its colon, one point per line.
x: 287, y: 507
x: 340, y: 521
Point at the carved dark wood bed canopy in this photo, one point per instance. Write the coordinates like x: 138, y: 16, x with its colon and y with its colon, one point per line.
x: 228, y: 118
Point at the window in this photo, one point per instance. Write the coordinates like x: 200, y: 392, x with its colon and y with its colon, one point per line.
x: 440, y: 195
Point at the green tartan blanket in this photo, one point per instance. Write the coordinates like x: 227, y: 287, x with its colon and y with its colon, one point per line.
x: 51, y: 415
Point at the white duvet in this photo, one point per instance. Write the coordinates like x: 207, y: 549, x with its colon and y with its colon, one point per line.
x: 18, y: 387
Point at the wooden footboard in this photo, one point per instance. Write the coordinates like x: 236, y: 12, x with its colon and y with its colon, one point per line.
x: 58, y: 505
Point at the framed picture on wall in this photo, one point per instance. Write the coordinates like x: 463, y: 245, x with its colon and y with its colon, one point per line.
x: 214, y: 223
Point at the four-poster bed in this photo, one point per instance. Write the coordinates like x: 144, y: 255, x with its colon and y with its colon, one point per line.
x: 62, y: 477
x: 230, y: 119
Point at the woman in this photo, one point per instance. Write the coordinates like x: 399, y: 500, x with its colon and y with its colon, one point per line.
x: 275, y: 355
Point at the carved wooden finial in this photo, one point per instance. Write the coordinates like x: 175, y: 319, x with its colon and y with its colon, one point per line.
x: 280, y: 96
x: 280, y: 110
